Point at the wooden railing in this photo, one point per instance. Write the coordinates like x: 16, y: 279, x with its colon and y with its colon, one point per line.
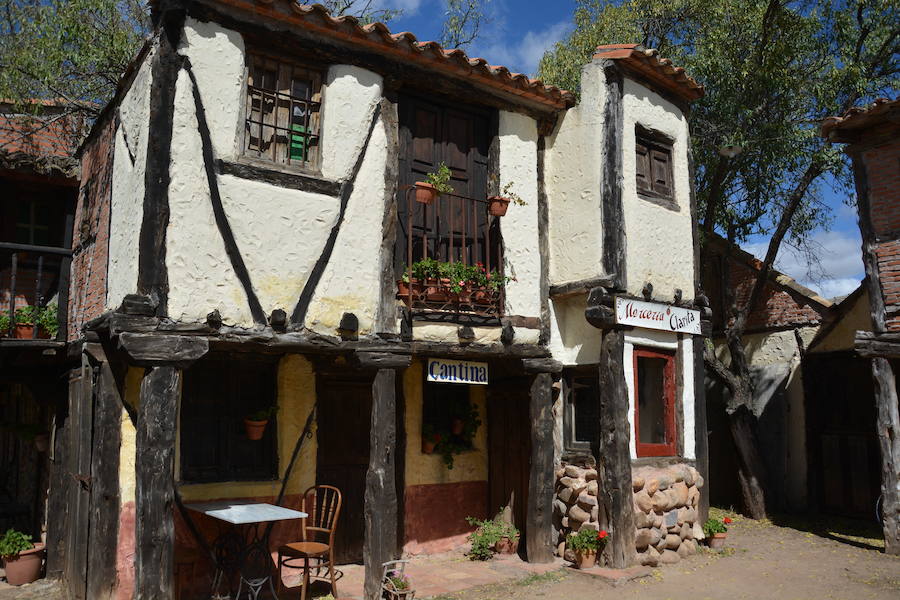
x: 33, y: 276
x: 454, y: 228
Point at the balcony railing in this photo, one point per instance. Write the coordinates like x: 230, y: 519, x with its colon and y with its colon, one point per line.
x: 32, y: 298
x: 453, y: 229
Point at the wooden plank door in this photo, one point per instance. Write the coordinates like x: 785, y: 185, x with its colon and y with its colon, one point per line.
x: 509, y: 449
x: 80, y: 426
x: 344, y: 416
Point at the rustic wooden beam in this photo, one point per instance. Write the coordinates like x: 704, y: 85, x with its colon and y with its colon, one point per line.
x: 582, y: 286
x: 104, y: 507
x: 543, y: 210
x: 152, y: 350
x: 380, y: 360
x: 155, y: 485
x: 269, y: 173
x: 615, y: 452
x: 541, y: 478
x: 380, y: 511
x: 386, y: 315
x: 701, y: 438
x: 611, y: 182
x: 541, y: 365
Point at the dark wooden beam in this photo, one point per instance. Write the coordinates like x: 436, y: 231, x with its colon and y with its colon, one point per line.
x: 150, y: 350
x: 269, y: 173
x: 871, y: 345
x: 155, y: 485
x: 386, y: 316
x: 611, y: 183
x: 543, y: 210
x: 701, y: 439
x: 541, y: 478
x: 380, y: 511
x: 582, y: 286
x: 380, y: 360
x: 541, y: 365
x: 615, y: 452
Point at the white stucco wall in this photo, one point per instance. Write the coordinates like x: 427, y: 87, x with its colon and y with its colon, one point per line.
x: 659, y: 249
x: 573, y: 168
x: 684, y: 365
x: 573, y: 341
x: 518, y: 164
x: 348, y: 103
x: 127, y: 195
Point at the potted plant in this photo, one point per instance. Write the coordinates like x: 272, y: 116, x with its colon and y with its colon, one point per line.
x: 492, y: 536
x: 586, y: 544
x: 451, y: 444
x: 29, y: 317
x: 497, y: 205
x: 716, y: 531
x: 430, y: 439
x: 255, y: 423
x: 435, y: 184
x: 397, y: 586
x: 22, y: 559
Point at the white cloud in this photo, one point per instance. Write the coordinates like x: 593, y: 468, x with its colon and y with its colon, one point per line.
x: 835, y: 268
x: 524, y: 54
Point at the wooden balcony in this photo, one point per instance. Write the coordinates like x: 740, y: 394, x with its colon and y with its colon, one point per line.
x: 33, y: 280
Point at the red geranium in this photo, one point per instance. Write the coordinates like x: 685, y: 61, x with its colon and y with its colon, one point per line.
x: 602, y: 534
x: 726, y: 520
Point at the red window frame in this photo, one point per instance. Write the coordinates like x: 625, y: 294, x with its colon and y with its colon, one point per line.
x: 669, y: 448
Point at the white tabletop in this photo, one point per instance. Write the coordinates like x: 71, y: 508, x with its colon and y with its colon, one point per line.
x: 240, y: 512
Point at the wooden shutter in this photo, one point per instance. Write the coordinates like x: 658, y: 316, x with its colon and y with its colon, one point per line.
x: 642, y: 166
x: 660, y: 161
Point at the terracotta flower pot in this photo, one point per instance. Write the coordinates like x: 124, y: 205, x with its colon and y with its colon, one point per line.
x: 457, y: 426
x: 586, y: 559
x: 482, y: 296
x: 26, y: 567
x: 25, y: 332
x: 438, y: 290
x: 428, y: 446
x: 425, y: 193
x: 498, y: 205
x: 402, y: 289
x: 255, y: 429
x: 507, y: 545
x: 717, y: 541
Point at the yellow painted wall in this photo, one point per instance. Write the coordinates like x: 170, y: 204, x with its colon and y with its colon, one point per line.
x: 429, y: 468
x: 842, y: 336
x: 127, y: 450
x: 296, y: 397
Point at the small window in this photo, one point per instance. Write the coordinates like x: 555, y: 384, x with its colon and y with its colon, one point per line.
x: 218, y: 392
x: 581, y: 410
x: 653, y: 165
x: 33, y: 223
x: 445, y: 412
x: 282, y: 113
x: 654, y: 419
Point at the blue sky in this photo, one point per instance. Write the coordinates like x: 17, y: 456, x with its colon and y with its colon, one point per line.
x: 522, y: 30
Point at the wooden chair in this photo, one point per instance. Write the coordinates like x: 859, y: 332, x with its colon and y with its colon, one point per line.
x: 323, y: 505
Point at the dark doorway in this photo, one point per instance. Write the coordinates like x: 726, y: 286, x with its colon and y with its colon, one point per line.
x: 344, y: 417
x: 509, y: 448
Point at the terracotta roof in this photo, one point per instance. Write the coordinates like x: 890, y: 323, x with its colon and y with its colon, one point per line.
x: 405, y: 47
x: 861, y: 117
x: 647, y: 62
x: 43, y: 143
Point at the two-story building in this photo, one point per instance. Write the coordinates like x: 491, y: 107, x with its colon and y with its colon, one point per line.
x: 262, y: 247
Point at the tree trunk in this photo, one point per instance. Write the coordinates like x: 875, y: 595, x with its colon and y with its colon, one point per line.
x: 751, y: 473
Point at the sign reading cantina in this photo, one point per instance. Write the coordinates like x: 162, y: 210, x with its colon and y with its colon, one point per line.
x: 457, y: 371
x: 651, y: 315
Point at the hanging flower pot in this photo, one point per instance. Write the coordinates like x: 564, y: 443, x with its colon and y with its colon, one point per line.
x: 426, y: 193
x: 498, y: 205
x: 457, y: 425
x: 428, y: 446
x: 255, y: 429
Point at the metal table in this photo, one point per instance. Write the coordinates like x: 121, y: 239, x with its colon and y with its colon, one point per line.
x: 245, y: 553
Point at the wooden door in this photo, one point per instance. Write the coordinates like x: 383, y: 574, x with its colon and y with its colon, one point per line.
x: 431, y: 134
x: 344, y: 416
x: 509, y: 453
x: 80, y: 426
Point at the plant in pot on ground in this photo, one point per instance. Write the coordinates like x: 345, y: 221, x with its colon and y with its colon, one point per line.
x: 397, y: 586
x: 716, y: 531
x: 497, y: 205
x: 435, y: 184
x: 488, y: 535
x: 255, y: 423
x: 22, y: 559
x: 586, y: 544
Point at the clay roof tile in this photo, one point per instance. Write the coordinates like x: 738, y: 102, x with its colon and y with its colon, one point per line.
x: 647, y: 62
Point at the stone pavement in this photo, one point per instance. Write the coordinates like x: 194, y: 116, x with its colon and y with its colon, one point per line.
x: 39, y: 590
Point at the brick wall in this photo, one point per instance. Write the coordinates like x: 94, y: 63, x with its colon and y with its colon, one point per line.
x: 883, y: 176
x: 90, y: 241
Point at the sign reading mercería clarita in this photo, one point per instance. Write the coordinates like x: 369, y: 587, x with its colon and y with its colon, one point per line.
x: 443, y: 370
x: 657, y: 316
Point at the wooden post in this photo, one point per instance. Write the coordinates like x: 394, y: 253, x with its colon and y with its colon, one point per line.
x: 380, y: 543
x: 154, y: 469
x: 887, y: 425
x: 538, y: 541
x: 701, y: 440
x: 615, y: 451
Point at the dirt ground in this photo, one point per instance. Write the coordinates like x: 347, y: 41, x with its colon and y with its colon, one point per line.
x: 814, y: 561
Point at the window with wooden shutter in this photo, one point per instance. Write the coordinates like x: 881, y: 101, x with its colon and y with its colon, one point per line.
x: 653, y: 167
x: 581, y: 409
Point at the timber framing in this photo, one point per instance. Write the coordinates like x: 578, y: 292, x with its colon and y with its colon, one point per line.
x: 612, y: 182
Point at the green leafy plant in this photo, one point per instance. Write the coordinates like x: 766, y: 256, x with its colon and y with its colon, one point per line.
x: 587, y: 540
x: 427, y: 268
x: 714, y: 526
x: 486, y: 536
x: 398, y: 580
x: 263, y: 414
x: 449, y: 444
x: 4, y: 323
x: 507, y: 192
x: 45, y: 317
x: 440, y: 179
x: 13, y: 543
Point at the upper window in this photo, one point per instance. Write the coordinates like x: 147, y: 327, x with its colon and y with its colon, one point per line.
x: 218, y: 393
x: 581, y: 409
x: 282, y: 113
x: 653, y: 165
x: 654, y: 419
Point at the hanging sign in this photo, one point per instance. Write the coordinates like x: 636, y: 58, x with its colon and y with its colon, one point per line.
x: 652, y: 315
x: 444, y: 370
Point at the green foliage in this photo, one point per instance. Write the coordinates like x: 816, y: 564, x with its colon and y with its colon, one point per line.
x: 440, y: 179
x: 587, y: 540
x: 263, y: 414
x: 13, y: 543
x: 463, y: 20
x: 713, y: 526
x: 772, y: 70
x: 398, y: 580
x: 362, y: 10
x: 458, y: 273
x: 507, y: 192
x: 45, y: 317
x: 486, y: 536
x: 449, y: 444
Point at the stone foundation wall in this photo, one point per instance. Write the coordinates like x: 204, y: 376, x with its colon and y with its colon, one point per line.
x: 665, y: 509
